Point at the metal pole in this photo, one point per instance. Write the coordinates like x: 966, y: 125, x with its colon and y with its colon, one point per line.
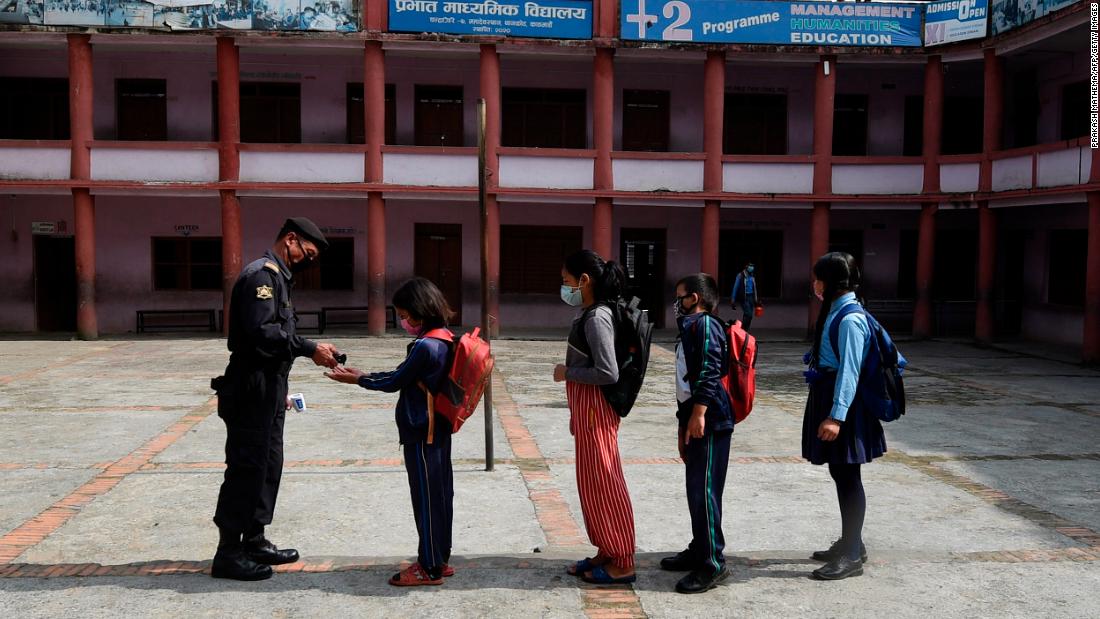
x: 485, y: 330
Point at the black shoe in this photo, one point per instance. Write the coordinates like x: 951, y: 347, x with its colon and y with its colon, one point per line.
x: 839, y: 569
x: 835, y: 552
x: 261, y: 550
x: 232, y: 562
x: 684, y: 561
x: 701, y: 580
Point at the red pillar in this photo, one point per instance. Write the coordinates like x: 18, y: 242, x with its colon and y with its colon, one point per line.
x: 926, y: 240
x: 80, y: 168
x: 993, y: 107
x: 824, y: 105
x: 603, y: 110
x: 374, y: 122
x: 714, y: 104
x: 490, y: 91
x: 1090, y: 352
x: 926, y: 259
x: 229, y: 165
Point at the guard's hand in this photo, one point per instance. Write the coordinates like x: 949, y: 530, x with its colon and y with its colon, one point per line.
x: 559, y: 373
x: 325, y: 355
x: 828, y: 430
x: 344, y: 375
x: 288, y: 404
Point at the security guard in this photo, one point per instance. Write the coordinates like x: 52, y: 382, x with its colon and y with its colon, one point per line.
x: 252, y: 397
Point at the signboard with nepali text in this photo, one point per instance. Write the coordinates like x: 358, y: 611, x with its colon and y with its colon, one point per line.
x: 955, y: 20
x: 863, y: 24
x: 547, y: 19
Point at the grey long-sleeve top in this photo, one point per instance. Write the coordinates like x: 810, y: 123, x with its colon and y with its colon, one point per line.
x: 590, y: 359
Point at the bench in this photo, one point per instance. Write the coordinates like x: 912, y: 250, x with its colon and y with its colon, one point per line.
x: 177, y: 320
x: 894, y: 314
x: 351, y: 315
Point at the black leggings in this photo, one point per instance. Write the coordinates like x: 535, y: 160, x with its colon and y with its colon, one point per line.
x: 853, y: 506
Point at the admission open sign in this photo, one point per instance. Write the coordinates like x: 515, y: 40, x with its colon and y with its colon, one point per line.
x: 863, y: 24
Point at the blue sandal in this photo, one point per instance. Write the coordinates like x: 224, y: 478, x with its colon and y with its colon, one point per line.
x: 601, y: 577
x: 580, y: 567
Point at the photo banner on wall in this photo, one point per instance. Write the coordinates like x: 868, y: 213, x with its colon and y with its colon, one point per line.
x: 863, y: 24
x: 955, y: 20
x: 1009, y: 14
x: 298, y: 15
x: 547, y: 19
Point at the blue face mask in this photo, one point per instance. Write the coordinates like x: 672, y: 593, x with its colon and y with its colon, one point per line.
x: 571, y: 295
x: 751, y: 269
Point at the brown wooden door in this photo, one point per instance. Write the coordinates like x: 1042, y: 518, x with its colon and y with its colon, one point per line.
x: 55, y: 283
x: 643, y: 258
x: 438, y: 116
x: 439, y: 259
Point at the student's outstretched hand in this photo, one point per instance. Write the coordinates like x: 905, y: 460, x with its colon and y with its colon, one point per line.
x: 342, y: 374
x: 559, y: 373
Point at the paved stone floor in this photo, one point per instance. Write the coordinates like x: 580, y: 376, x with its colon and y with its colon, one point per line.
x: 110, y: 458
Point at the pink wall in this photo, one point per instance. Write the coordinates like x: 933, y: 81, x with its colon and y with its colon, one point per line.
x: 17, y: 253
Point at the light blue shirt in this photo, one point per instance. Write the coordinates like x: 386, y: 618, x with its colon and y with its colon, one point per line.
x: 855, y: 342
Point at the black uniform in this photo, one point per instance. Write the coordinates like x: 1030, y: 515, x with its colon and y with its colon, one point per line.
x: 252, y: 394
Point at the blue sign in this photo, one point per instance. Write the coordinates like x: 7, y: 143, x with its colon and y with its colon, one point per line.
x: 862, y: 24
x: 1009, y: 14
x: 955, y: 20
x: 547, y: 19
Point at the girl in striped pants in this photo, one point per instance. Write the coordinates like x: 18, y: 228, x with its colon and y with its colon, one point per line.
x: 589, y: 282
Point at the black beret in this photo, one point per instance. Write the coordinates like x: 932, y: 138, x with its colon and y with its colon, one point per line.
x: 306, y: 228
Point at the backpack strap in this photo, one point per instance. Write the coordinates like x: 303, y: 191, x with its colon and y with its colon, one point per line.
x: 834, y: 326
x: 440, y: 334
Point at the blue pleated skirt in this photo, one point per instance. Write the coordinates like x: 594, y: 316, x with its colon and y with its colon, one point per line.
x: 861, y: 439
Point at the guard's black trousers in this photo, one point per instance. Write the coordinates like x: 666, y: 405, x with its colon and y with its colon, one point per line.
x: 253, y: 406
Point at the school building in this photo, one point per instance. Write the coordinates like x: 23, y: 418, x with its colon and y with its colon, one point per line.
x: 140, y: 168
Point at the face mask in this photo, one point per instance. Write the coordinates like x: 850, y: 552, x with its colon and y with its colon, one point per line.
x: 681, y: 311
x: 411, y: 330
x: 302, y: 264
x: 571, y: 296
x: 751, y: 269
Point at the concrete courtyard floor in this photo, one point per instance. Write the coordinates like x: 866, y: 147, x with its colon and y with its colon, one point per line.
x: 988, y: 504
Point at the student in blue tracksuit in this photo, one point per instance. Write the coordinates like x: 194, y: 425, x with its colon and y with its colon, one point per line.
x: 836, y: 429
x: 744, y: 295
x: 421, y: 307
x: 706, y: 428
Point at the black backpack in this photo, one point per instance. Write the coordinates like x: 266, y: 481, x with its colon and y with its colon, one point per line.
x: 633, y: 335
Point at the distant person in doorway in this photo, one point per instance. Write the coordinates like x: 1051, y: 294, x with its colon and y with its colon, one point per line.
x: 744, y: 295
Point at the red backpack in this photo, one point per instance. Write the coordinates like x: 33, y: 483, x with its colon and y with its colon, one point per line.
x: 740, y: 381
x: 471, y: 369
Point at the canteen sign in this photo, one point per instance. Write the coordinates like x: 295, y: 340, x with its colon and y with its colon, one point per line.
x: 865, y: 24
x: 548, y: 19
x: 954, y: 20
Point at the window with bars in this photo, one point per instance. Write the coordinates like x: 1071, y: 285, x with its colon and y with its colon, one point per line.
x: 334, y: 269
x: 531, y: 257
x: 187, y: 263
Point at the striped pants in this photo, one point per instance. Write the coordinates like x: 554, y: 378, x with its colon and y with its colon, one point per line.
x: 431, y: 485
x: 605, y: 500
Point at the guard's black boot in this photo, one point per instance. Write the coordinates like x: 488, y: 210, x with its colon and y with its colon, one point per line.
x: 261, y: 550
x: 836, y: 551
x: 231, y: 561
x: 683, y: 561
x: 839, y: 569
x: 701, y: 580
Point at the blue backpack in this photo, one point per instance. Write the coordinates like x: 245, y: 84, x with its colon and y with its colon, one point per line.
x: 881, y: 388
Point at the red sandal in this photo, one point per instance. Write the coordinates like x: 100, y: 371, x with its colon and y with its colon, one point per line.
x: 448, y: 571
x: 413, y: 576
